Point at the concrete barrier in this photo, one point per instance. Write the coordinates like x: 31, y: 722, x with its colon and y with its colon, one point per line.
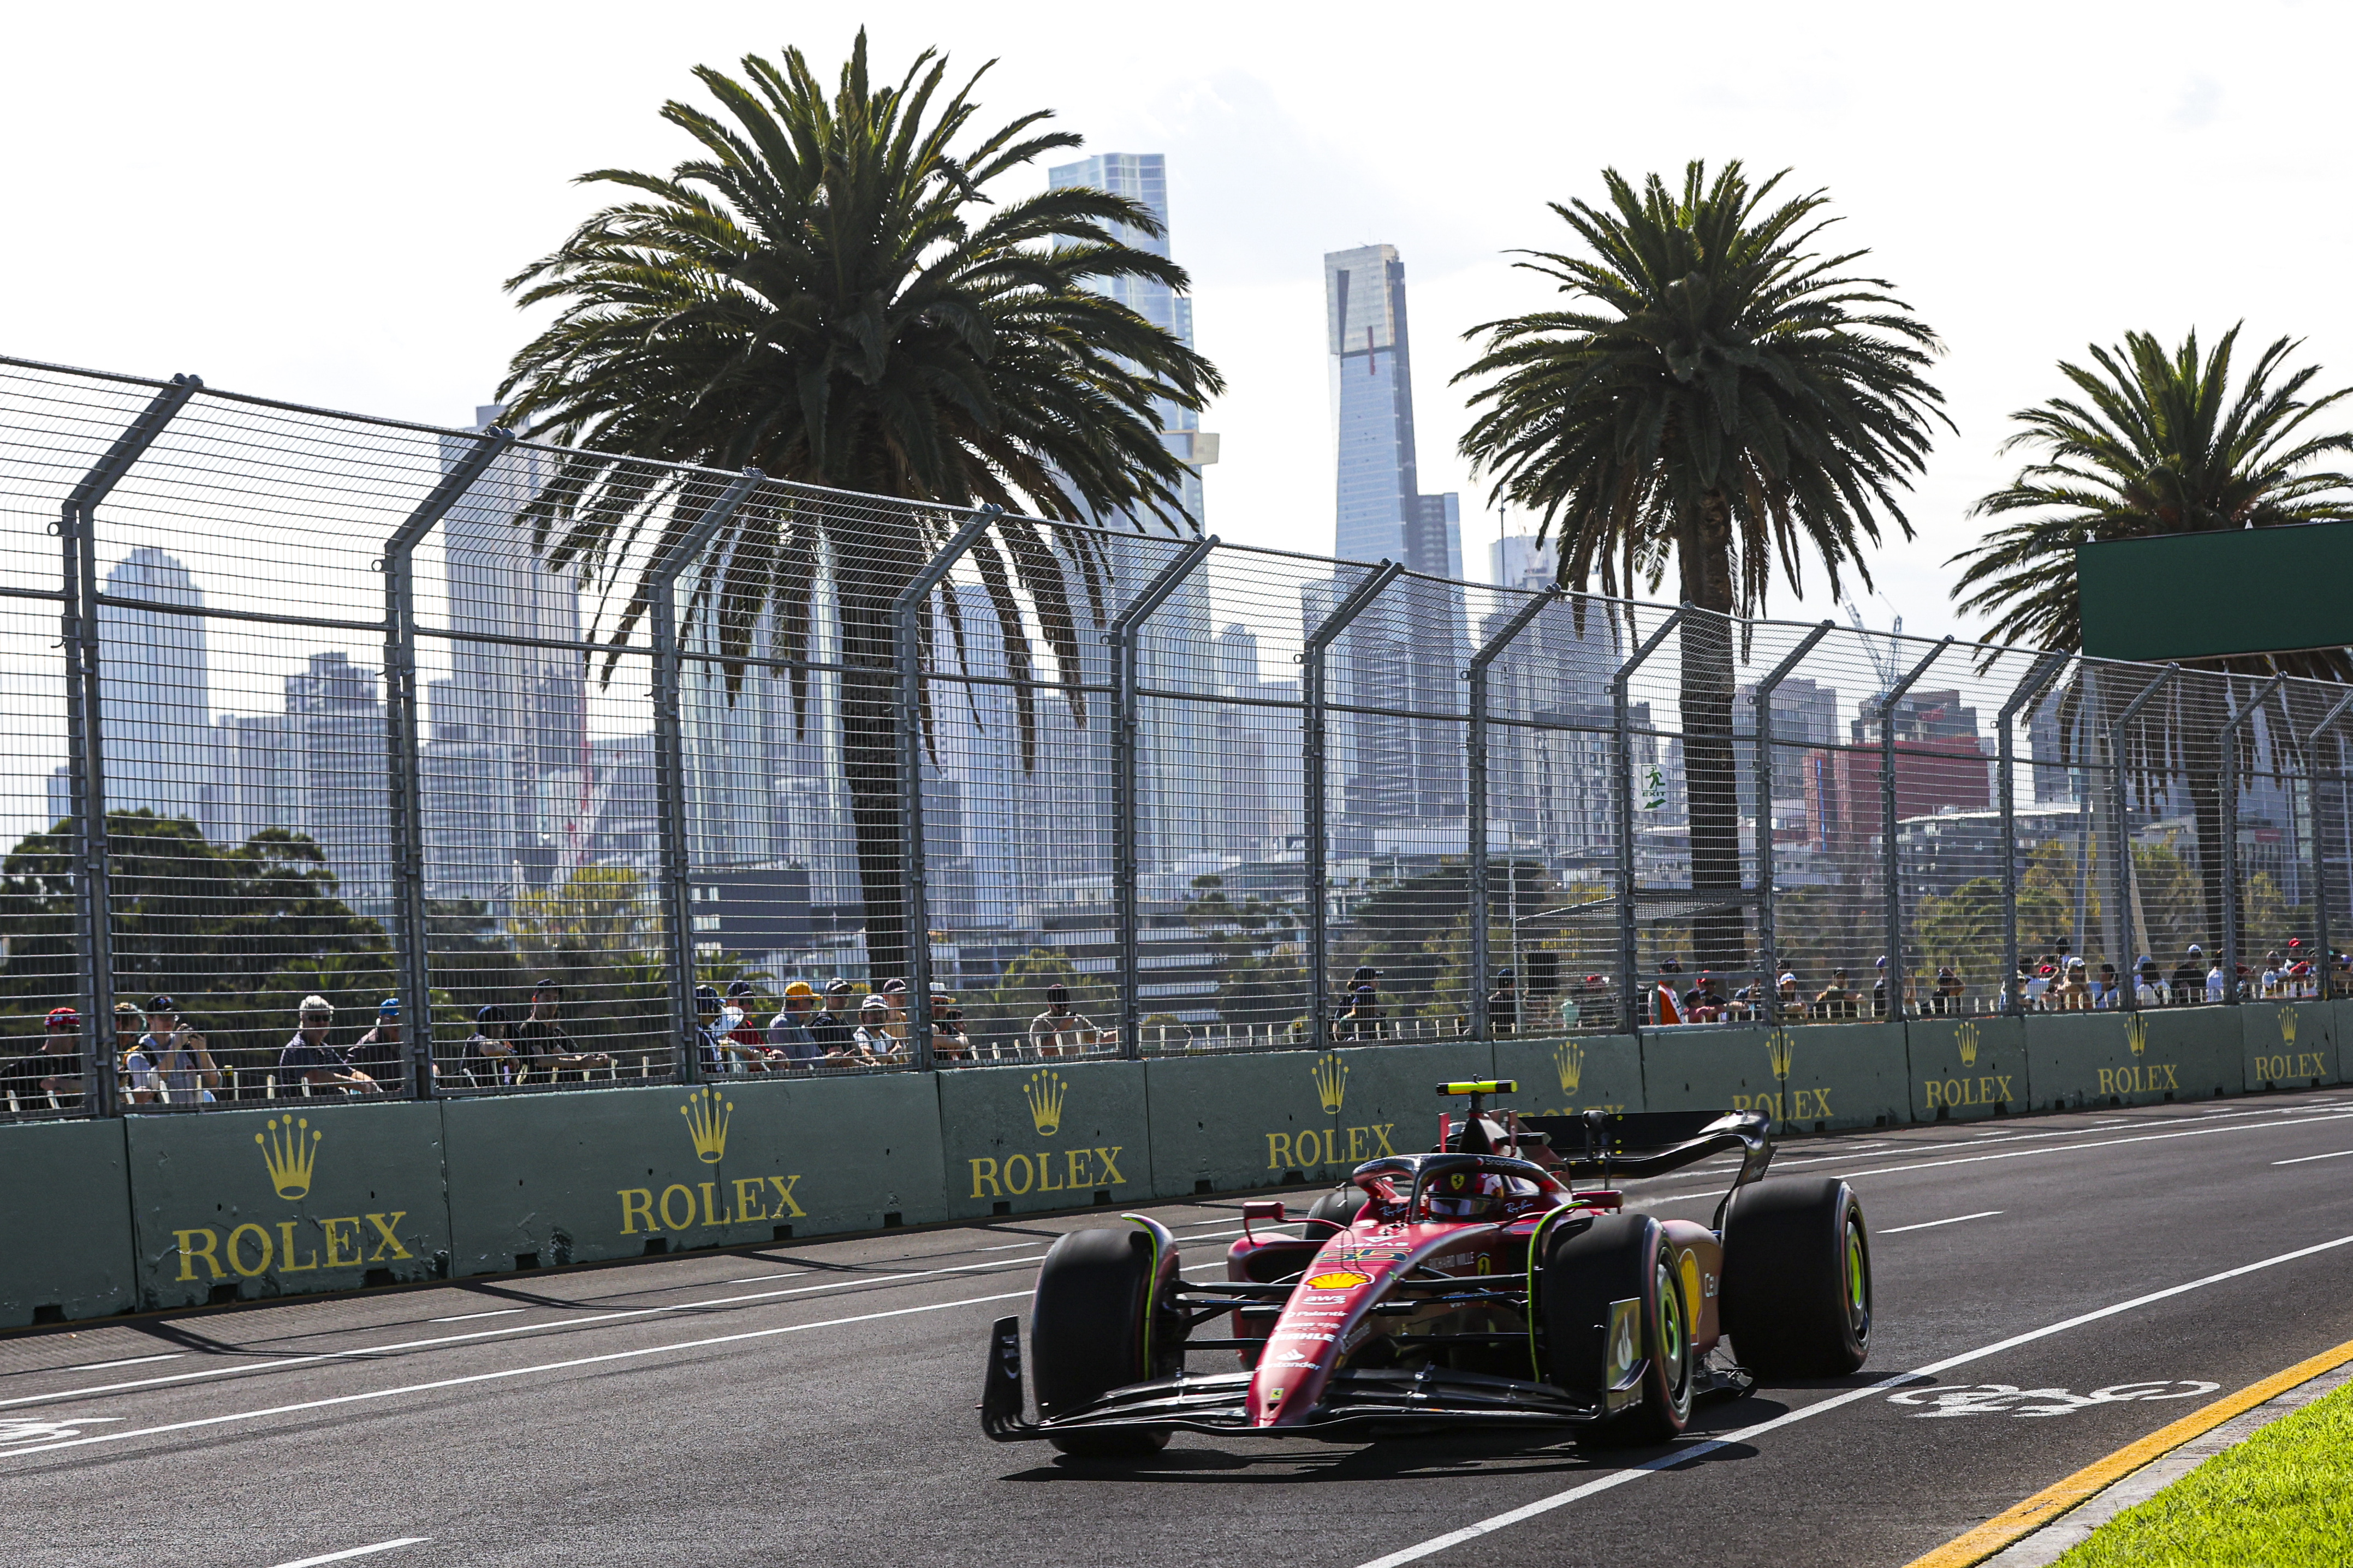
x: 66, y: 1247
x: 2160, y: 1054
x: 308, y: 1196
x: 545, y: 1179
x: 1816, y: 1076
x: 2291, y: 1044
x: 1573, y: 1073
x: 1063, y: 1134
x: 1964, y: 1069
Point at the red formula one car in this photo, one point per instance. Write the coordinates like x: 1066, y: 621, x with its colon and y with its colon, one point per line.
x: 1474, y: 1286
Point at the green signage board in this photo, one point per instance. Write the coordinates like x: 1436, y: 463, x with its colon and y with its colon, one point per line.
x: 2198, y: 595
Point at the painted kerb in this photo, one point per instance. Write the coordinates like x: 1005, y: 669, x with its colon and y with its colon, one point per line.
x: 310, y: 1195
x: 1966, y: 1068
x: 2291, y: 1044
x: 1573, y: 1073
x: 1820, y: 1077
x: 1057, y: 1136
x: 542, y: 1179
x: 65, y: 1246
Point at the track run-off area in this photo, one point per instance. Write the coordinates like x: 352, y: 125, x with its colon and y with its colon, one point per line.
x: 2049, y: 1288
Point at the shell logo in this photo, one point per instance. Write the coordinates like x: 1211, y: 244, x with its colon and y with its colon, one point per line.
x: 1340, y: 1279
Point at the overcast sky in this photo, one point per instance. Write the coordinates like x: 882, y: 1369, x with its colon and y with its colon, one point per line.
x: 320, y: 203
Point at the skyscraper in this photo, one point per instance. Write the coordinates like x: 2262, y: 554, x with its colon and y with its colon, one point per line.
x: 1408, y: 651
x: 158, y: 732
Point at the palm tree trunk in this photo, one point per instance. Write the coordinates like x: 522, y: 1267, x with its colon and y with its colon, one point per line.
x: 1705, y: 554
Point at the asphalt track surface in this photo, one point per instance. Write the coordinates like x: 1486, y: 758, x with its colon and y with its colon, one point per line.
x: 814, y: 1403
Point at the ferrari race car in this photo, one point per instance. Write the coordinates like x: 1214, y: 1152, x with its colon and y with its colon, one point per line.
x: 1472, y: 1286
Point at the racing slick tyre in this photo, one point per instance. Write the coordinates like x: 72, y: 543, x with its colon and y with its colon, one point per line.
x: 1618, y: 1258
x: 1797, y: 1278
x: 1340, y: 1206
x: 1090, y: 1333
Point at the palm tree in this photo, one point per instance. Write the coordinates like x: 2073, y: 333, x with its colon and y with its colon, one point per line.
x: 2160, y: 443
x: 829, y: 294
x: 1729, y: 398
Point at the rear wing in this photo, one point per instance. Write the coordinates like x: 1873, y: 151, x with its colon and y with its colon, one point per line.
x: 1653, y: 1143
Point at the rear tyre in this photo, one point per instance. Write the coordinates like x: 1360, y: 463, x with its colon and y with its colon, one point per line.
x: 1340, y: 1206
x: 1797, y: 1278
x: 1089, y: 1333
x: 1615, y: 1259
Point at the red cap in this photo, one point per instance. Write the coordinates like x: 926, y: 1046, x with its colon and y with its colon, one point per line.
x: 64, y: 1019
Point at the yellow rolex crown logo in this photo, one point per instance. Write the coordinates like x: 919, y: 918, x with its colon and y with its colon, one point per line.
x: 1045, y: 1092
x: 1331, y: 1081
x: 288, y: 1154
x: 1782, y: 1048
x: 1568, y: 1060
x: 707, y: 1116
x: 1966, y: 1036
x: 2287, y: 1025
x: 2137, y: 1033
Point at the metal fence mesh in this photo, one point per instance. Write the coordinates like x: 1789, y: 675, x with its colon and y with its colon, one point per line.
x: 573, y: 770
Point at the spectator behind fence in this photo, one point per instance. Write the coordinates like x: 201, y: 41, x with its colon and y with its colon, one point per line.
x: 1837, y: 999
x: 1946, y: 999
x: 308, y: 1059
x: 872, y: 1040
x: 53, y: 1071
x: 1879, y: 990
x: 709, y: 1047
x: 1787, y: 997
x: 2149, y: 991
x: 830, y: 1026
x: 135, y: 1072
x: 540, y: 1038
x: 2074, y: 992
x: 1503, y: 1004
x: 2189, y: 980
x: 2217, y: 987
x: 949, y: 1042
x: 490, y: 1059
x: 788, y: 1032
x: 741, y: 1030
x: 1665, y: 1008
x: 179, y: 1053
x: 894, y: 1007
x: 1703, y: 1004
x: 379, y: 1053
x: 1361, y: 1024
x: 1057, y: 1031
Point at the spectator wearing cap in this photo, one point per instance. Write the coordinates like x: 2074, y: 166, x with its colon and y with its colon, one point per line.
x: 1787, y: 1000
x: 894, y: 1002
x: 788, y: 1032
x: 1666, y: 1007
x: 1503, y: 1004
x: 308, y: 1059
x: 51, y: 1076
x: 949, y: 1042
x: 1879, y: 988
x: 1703, y: 1004
x: 490, y: 1058
x: 2147, y: 989
x: 379, y: 1053
x: 2074, y: 992
x: 135, y: 1072
x: 1361, y: 1024
x: 1949, y: 989
x: 709, y: 1045
x: 831, y: 1025
x: 540, y: 1040
x: 2189, y: 982
x: 1837, y: 999
x: 179, y: 1054
x: 740, y: 1031
x: 872, y: 1040
x: 2270, y: 980
x: 1057, y: 1031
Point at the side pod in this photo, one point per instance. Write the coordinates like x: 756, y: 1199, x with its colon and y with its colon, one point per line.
x: 1001, y: 1387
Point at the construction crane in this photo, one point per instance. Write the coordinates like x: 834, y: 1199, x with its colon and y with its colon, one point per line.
x: 1887, y: 664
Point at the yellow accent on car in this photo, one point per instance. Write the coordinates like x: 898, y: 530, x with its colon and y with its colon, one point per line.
x: 1488, y: 1086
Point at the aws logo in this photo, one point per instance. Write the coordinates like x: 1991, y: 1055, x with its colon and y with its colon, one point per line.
x: 1046, y: 1093
x: 707, y: 1115
x: 290, y: 1149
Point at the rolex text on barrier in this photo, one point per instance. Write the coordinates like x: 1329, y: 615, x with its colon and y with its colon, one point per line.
x: 65, y: 1230
x: 1964, y: 1069
x: 1570, y: 1073
x: 2148, y: 1057
x: 1064, y: 1133
x: 2290, y: 1044
x: 541, y: 1180
x: 1814, y: 1076
x: 311, y: 1195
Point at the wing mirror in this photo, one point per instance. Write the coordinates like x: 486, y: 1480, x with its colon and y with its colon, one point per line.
x: 1267, y: 1209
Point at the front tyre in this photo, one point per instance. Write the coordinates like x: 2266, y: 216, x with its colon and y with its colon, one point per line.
x: 1340, y: 1206
x: 1090, y: 1331
x: 1797, y: 1278
x: 1618, y: 1258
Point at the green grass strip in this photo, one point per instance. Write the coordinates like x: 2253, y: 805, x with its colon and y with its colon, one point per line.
x: 2283, y: 1496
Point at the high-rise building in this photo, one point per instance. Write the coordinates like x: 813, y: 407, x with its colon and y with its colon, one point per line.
x: 158, y: 725
x: 1518, y: 561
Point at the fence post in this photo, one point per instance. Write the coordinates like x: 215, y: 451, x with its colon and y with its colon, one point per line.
x: 1126, y: 638
x: 1890, y: 863
x: 906, y: 642
x: 85, y: 739
x: 670, y: 760
x: 1621, y: 781
x: 2228, y: 742
x: 2327, y: 960
x: 1475, y: 803
x: 1313, y: 784
x: 2118, y: 805
x: 405, y: 752
x: 2038, y: 680
x: 1771, y: 983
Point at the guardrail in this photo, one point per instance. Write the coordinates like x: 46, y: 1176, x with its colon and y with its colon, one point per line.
x: 155, y: 1211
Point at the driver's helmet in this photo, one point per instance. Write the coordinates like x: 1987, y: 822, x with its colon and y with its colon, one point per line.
x: 1464, y: 1195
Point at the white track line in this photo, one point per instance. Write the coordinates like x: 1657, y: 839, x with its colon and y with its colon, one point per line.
x: 1931, y: 1224
x: 494, y: 1313
x: 357, y: 1551
x: 1684, y: 1456
x: 126, y: 1361
x: 2340, y: 1155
